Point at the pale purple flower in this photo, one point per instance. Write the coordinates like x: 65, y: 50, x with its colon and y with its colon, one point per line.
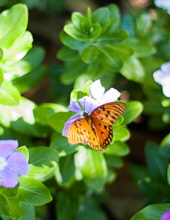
x: 165, y: 4
x: 166, y: 215
x: 88, y: 104
x: 162, y: 77
x: 97, y: 91
x: 12, y: 163
x: 85, y: 104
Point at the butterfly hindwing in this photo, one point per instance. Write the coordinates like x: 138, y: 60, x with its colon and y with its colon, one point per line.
x: 81, y: 131
x: 103, y: 118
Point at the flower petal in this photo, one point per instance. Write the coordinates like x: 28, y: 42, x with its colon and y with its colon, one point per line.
x: 17, y: 162
x: 6, y: 146
x: 160, y: 77
x: 8, y: 178
x: 97, y: 90
x: 88, y: 104
x: 74, y: 106
x: 166, y: 67
x: 69, y: 122
x: 110, y: 96
x: 166, y: 215
x: 166, y: 89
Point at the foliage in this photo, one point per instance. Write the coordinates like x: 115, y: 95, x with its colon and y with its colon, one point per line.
x: 98, y: 45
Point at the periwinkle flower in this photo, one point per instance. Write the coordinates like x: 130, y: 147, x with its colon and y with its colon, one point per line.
x: 166, y: 215
x: 162, y: 77
x: 88, y: 104
x: 12, y: 163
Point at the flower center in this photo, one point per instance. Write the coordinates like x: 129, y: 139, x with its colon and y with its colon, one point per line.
x: 3, y: 163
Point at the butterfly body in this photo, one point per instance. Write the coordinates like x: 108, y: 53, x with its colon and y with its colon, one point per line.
x: 95, y: 129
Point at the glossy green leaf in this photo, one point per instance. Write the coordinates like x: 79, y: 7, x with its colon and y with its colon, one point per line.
x: 120, y: 133
x: 164, y: 149
x: 89, y: 54
x: 13, y: 113
x: 28, y: 212
x: 61, y: 144
x: 92, y: 166
x: 30, y: 80
x: 133, y: 70
x: 67, y: 54
x: 114, y: 18
x: 90, y: 210
x: 113, y: 161
x: 118, y: 148
x: 132, y: 111
x: 66, y: 200
x: 43, y: 111
x: 72, y: 43
x: 168, y: 174
x: 77, y: 20
x: 151, y: 212
x: 57, y: 120
x: 141, y: 49
x: 9, y: 95
x: 18, y: 50
x: 157, y: 164
x: 13, y: 23
x: 67, y: 167
x: 101, y: 16
x: 10, y: 207
x: 1, y: 76
x: 43, y: 156
x: 109, y: 59
x: 33, y: 192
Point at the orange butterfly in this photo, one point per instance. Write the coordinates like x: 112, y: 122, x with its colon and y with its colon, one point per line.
x: 96, y: 129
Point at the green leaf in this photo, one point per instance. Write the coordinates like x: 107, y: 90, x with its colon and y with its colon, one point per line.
x: 67, y: 54
x: 168, y: 174
x: 113, y: 161
x: 9, y: 192
x: 132, y: 111
x: 72, y: 43
x: 9, y: 95
x: 66, y: 200
x: 10, y: 207
x: 1, y: 76
x: 114, y: 18
x: 28, y: 212
x: 43, y: 111
x: 89, y: 209
x: 61, y: 145
x: 157, y: 164
x: 92, y: 166
x: 89, y: 54
x: 14, y: 113
x: 13, y: 23
x: 133, y: 70
x: 57, y: 120
x: 141, y: 49
x: 18, y: 50
x: 117, y: 148
x: 120, y: 133
x: 164, y: 149
x: 151, y: 212
x: 101, y: 17
x: 43, y: 156
x: 32, y: 192
x: 67, y: 167
x: 109, y: 59
x: 30, y: 80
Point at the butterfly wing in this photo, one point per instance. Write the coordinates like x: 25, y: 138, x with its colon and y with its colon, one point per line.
x: 81, y: 131
x: 103, y: 118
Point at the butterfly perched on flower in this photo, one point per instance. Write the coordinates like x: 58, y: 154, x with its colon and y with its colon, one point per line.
x: 93, y: 125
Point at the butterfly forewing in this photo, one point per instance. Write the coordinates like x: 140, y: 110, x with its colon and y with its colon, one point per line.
x: 103, y: 118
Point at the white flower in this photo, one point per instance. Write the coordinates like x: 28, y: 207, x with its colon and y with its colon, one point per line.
x: 97, y: 91
x: 165, y: 4
x: 162, y: 77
